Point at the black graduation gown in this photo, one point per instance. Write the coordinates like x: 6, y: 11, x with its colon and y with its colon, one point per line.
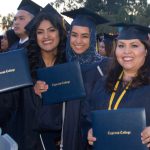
x: 75, y: 125
x: 16, y: 45
x: 17, y: 117
x: 134, y: 98
x: 49, y: 119
x: 22, y: 122
x: 28, y: 119
x: 7, y: 106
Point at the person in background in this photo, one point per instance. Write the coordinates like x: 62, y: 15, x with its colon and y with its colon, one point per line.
x: 47, y: 48
x: 128, y: 79
x: 27, y: 10
x: 106, y: 44
x: 1, y: 36
x: 8, y: 39
x: 17, y: 106
x: 101, y: 46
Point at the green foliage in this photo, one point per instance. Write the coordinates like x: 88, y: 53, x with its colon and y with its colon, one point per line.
x: 130, y: 11
x: 68, y: 5
x: 7, y: 21
x: 147, y: 11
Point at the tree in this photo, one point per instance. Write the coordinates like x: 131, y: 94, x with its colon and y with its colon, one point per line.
x: 7, y: 21
x: 130, y: 11
x: 68, y: 5
x: 114, y: 6
x: 96, y: 6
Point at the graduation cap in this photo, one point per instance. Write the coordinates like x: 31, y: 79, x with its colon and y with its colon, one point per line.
x: 132, y: 31
x: 109, y: 37
x: 48, y: 8
x: 106, y: 37
x: 82, y: 14
x: 30, y: 7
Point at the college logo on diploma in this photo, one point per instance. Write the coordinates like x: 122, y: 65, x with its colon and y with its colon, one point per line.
x: 119, y: 129
x: 14, y: 70
x: 64, y: 82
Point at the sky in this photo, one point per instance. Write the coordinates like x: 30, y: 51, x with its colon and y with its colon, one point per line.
x: 9, y: 6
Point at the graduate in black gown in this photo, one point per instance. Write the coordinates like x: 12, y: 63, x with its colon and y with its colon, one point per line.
x: 27, y: 10
x: 9, y: 38
x: 47, y: 49
x: 81, y: 46
x: 128, y: 82
x: 17, y: 108
x: 106, y: 44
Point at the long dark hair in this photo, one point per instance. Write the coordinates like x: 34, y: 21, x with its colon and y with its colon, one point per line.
x: 33, y: 48
x: 143, y: 75
x: 11, y: 37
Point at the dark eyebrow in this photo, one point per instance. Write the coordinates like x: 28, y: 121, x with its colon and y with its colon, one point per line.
x: 85, y: 34
x: 120, y: 42
x: 21, y: 16
x: 73, y: 32
x: 47, y: 28
x: 82, y: 33
x: 134, y: 42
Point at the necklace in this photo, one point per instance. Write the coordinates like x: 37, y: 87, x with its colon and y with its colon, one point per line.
x: 114, y: 93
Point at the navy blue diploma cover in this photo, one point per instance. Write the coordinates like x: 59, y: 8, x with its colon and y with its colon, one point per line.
x: 14, y: 70
x: 118, y: 129
x: 64, y: 82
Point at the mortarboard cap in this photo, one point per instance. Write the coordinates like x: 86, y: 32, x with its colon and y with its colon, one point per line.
x: 109, y: 37
x: 30, y: 7
x: 132, y: 31
x: 85, y: 13
x: 106, y: 37
x: 48, y: 8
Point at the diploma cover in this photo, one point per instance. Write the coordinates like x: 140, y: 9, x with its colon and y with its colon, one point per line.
x: 119, y: 129
x: 64, y: 82
x: 14, y: 70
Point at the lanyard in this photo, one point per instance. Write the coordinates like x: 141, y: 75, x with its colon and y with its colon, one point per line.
x: 114, y: 93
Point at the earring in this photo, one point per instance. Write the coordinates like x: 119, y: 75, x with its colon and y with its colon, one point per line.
x: 146, y: 52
